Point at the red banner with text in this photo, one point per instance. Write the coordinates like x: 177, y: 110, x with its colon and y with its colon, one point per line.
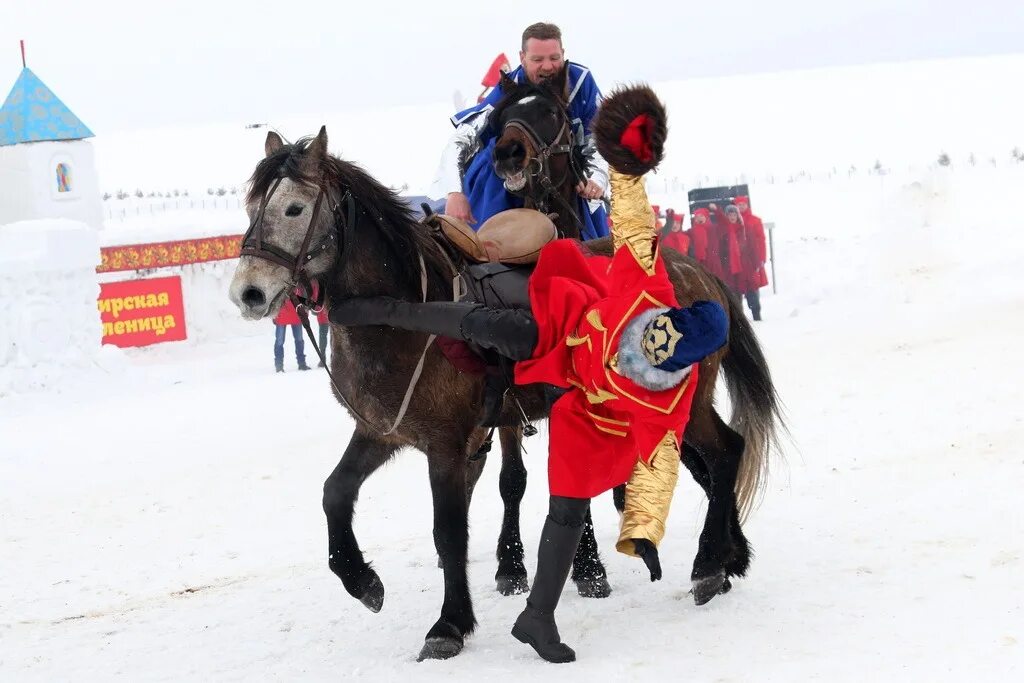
x: 142, y: 312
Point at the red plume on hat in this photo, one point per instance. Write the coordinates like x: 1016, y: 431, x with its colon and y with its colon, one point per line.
x: 630, y: 130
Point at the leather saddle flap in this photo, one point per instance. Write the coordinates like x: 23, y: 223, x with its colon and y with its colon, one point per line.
x: 516, y: 235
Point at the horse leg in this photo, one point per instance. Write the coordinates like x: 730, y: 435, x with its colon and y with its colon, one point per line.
x: 361, y: 458
x: 693, y: 459
x: 712, y: 452
x: 448, y: 485
x: 474, y: 468
x: 511, y: 578
x: 619, y: 498
x: 588, y: 572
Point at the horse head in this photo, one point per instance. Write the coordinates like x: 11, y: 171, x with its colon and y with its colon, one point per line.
x: 536, y: 153
x: 293, y: 235
x: 316, y: 219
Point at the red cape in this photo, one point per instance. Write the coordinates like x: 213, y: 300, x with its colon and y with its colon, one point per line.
x: 606, y: 422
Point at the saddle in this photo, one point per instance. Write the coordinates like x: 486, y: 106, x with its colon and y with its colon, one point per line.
x: 514, y: 236
x: 499, y: 259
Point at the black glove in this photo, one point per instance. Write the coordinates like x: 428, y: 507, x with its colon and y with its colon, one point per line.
x: 649, y: 554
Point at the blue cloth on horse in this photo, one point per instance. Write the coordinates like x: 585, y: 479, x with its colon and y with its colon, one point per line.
x: 486, y: 191
x: 487, y: 196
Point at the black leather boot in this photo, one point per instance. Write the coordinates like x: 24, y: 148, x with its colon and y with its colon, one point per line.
x: 559, y: 539
x: 512, y: 332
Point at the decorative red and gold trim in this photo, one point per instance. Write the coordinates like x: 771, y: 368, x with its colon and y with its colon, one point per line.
x: 165, y: 254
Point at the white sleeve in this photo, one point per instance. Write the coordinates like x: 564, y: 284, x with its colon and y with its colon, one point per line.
x: 598, y: 166
x: 448, y: 178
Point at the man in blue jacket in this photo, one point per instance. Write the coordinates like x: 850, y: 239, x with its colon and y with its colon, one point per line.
x: 475, y: 195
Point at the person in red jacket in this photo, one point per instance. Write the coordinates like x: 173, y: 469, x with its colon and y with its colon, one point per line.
x: 718, y: 243
x: 742, y: 255
x: 288, y: 317
x: 754, y: 255
x: 673, y: 236
x: 700, y: 222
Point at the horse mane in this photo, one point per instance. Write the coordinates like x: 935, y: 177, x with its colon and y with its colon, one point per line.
x: 392, y: 217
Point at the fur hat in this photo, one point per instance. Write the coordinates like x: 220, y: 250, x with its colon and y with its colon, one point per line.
x: 658, y: 347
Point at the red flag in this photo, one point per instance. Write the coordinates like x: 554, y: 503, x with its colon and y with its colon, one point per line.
x: 493, y: 76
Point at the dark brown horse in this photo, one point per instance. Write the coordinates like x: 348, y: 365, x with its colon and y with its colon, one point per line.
x: 317, y: 217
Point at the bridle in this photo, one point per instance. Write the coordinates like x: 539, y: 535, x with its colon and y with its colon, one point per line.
x: 540, y: 165
x: 300, y: 287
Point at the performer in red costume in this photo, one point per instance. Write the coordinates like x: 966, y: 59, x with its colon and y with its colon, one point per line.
x: 610, y: 331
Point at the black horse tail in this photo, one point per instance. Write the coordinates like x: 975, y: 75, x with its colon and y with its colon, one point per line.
x: 756, y: 410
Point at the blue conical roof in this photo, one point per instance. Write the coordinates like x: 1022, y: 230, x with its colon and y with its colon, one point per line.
x: 32, y: 113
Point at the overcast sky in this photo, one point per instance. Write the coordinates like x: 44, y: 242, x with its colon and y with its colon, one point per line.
x: 129, y: 65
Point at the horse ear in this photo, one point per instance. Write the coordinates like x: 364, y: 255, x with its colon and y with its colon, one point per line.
x: 273, y: 143
x: 506, y: 83
x: 318, y: 148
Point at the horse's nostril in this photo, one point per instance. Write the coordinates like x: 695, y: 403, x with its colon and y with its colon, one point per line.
x: 510, y: 152
x: 253, y: 297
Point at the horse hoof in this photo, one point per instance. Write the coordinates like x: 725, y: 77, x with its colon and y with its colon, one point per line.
x: 373, y: 593
x: 704, y: 589
x: 441, y: 646
x: 594, y: 588
x: 512, y: 585
x: 726, y: 587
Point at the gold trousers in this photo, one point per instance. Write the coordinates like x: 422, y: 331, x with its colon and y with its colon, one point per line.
x: 649, y: 496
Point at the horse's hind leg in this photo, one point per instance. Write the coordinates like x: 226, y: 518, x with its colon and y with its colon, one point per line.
x: 511, y: 578
x: 362, y: 457
x: 588, y: 572
x: 619, y: 498
x: 712, y: 452
x: 448, y: 485
x: 693, y: 459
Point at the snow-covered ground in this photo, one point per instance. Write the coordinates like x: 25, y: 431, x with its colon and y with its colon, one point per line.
x: 161, y: 517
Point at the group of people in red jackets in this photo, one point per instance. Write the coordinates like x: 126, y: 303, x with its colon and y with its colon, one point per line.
x: 729, y: 242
